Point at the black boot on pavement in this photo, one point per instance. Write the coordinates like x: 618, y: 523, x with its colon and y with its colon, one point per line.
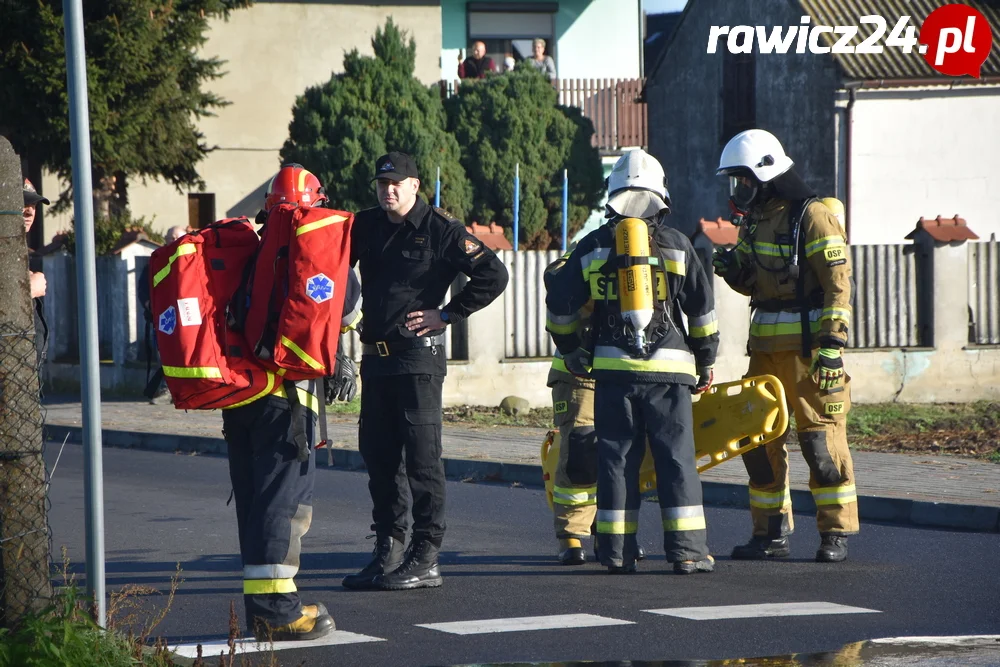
x: 571, y: 553
x: 386, y: 557
x: 762, y: 548
x: 706, y: 564
x: 308, y: 626
x: 419, y: 569
x: 832, y: 548
x: 625, y: 568
x: 640, y: 554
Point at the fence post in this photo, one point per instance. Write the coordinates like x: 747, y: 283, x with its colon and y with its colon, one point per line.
x: 565, y: 208
x: 24, y: 532
x: 517, y: 201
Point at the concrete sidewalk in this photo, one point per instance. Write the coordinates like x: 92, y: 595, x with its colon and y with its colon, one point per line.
x: 933, y: 491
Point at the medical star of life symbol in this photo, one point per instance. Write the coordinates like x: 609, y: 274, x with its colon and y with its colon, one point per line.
x: 319, y: 288
x: 168, y: 320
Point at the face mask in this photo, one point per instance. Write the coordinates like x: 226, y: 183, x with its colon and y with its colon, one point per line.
x: 741, y: 194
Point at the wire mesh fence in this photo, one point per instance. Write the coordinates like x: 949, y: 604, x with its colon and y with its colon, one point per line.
x: 24, y: 531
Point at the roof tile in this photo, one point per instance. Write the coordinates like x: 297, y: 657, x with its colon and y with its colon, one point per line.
x: 491, y: 235
x: 720, y: 232
x: 944, y: 230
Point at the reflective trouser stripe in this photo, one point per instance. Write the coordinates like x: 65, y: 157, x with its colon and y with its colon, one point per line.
x: 269, y: 571
x: 574, y: 497
x: 835, y: 495
x: 264, y: 586
x: 617, y: 522
x: 767, y: 501
x: 691, y: 517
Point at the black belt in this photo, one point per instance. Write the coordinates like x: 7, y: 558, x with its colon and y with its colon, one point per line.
x: 385, y: 348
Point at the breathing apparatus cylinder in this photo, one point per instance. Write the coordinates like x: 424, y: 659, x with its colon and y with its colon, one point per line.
x: 635, y: 278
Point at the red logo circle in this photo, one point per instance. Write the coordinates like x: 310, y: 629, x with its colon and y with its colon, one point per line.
x: 956, y: 40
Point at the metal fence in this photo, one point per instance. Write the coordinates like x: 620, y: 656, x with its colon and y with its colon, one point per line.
x: 885, y: 303
x: 984, y: 292
x: 525, y: 304
x: 24, y: 530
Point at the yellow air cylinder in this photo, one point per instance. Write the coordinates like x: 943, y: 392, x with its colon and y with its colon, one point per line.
x: 635, y: 281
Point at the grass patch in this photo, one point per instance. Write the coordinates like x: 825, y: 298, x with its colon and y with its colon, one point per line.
x: 481, y: 415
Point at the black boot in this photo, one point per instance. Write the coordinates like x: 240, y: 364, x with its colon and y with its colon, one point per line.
x: 639, y: 555
x: 418, y: 570
x: 762, y: 548
x: 571, y: 553
x: 386, y: 557
x: 832, y: 548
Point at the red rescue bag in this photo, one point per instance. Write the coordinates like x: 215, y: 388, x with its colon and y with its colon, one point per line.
x: 295, y: 292
x: 206, y: 364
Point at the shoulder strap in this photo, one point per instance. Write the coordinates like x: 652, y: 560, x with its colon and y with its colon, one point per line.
x: 795, y: 219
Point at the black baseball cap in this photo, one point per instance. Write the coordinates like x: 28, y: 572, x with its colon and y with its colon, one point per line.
x: 31, y: 196
x: 395, y: 166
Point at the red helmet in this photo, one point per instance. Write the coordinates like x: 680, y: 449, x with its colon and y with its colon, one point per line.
x: 293, y: 184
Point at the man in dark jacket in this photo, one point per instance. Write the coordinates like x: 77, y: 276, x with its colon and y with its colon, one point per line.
x: 477, y: 65
x: 31, y: 201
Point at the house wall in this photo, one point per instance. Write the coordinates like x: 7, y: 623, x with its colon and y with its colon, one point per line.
x: 924, y: 152
x: 794, y: 100
x: 594, y: 38
x: 272, y: 55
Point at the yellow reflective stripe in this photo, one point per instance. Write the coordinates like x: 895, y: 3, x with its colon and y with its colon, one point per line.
x: 313, y: 226
x: 264, y: 586
x: 690, y: 517
x: 644, y: 365
x: 836, y: 314
x: 559, y: 365
x: 572, y: 497
x: 182, y: 249
x: 352, y: 323
x: 305, y: 398
x: 705, y: 331
x: 769, y: 500
x: 565, y: 327
x: 772, y: 249
x: 302, y: 180
x: 835, y: 495
x: 617, y: 527
x: 784, y: 329
x: 673, y: 266
x: 261, y: 394
x: 814, y: 247
x: 192, y: 372
x: 302, y: 354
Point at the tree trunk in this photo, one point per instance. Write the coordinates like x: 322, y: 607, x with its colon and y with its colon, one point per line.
x: 24, y: 532
x: 104, y: 193
x: 119, y: 203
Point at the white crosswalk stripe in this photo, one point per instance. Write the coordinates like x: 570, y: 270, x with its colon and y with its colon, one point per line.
x: 213, y: 647
x: 761, y: 610
x: 524, y: 623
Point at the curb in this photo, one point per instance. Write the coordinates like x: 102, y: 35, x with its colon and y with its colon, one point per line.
x: 896, y: 511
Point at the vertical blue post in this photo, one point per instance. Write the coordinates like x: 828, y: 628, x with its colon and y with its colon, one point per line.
x: 517, y: 200
x: 86, y: 288
x: 437, y: 190
x: 565, y: 209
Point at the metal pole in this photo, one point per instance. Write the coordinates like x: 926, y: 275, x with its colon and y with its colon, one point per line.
x: 565, y: 208
x: 86, y: 281
x: 437, y: 190
x: 517, y: 199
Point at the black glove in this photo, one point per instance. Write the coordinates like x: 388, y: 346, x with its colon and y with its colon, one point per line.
x: 343, y: 384
x: 705, y: 378
x: 578, y: 362
x: 723, y: 260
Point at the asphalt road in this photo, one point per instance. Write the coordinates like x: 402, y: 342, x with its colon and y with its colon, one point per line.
x: 498, y: 563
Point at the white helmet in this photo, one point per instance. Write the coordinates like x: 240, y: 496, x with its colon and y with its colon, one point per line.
x: 637, y: 186
x: 758, y: 151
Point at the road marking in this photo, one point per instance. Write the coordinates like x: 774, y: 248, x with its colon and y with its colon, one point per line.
x: 524, y: 623
x: 761, y: 610
x: 213, y: 647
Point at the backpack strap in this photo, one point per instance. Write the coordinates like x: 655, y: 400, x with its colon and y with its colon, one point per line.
x: 794, y: 270
x: 298, y: 421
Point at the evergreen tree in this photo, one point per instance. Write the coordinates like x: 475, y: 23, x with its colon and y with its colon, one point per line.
x: 144, y: 82
x: 514, y: 118
x: 376, y: 105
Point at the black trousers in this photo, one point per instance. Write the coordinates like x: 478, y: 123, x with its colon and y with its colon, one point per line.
x: 273, y: 493
x: 401, y: 423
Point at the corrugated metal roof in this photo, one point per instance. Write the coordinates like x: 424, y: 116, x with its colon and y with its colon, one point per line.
x: 892, y: 63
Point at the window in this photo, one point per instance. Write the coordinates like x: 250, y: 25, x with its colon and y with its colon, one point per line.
x: 739, y: 94
x: 508, y: 29
x: 201, y: 209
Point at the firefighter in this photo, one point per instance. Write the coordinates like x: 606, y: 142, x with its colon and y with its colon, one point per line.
x: 645, y: 362
x: 793, y: 263
x: 272, y: 489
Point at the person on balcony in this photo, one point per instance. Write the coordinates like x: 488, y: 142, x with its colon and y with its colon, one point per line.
x: 477, y: 65
x: 543, y: 63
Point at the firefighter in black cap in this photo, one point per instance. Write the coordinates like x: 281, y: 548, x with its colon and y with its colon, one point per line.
x: 409, y: 255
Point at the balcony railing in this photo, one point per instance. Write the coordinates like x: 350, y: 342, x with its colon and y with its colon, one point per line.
x: 610, y: 104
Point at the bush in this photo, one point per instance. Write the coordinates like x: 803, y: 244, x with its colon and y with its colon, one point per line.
x: 108, y: 232
x: 514, y: 118
x: 339, y: 128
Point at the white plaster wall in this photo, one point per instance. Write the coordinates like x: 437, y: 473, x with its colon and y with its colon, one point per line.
x: 603, y: 42
x: 272, y: 57
x: 925, y: 152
